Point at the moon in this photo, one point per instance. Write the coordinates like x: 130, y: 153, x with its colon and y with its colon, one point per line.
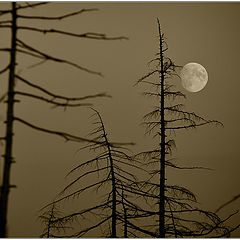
x: 194, y: 77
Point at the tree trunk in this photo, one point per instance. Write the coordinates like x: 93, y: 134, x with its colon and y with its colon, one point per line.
x: 125, y: 216
x: 9, y: 129
x: 114, y: 199
x: 162, y: 160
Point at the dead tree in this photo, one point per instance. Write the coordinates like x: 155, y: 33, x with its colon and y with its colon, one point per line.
x: 20, y: 46
x: 111, y: 174
x: 48, y: 219
x: 171, y: 210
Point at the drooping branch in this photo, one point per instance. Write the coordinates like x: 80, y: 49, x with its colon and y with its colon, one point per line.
x: 81, y: 213
x: 58, y: 17
x: 66, y: 136
x: 79, y: 191
x: 89, y: 35
x: 84, y: 175
x: 194, y: 125
x: 57, y: 104
x: 169, y: 164
x: 43, y: 55
x: 56, y: 96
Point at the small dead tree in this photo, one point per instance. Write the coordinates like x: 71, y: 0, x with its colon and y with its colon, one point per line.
x: 48, y: 219
x: 111, y: 174
x: 19, y: 46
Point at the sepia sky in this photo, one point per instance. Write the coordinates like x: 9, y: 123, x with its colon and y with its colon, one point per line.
x: 206, y: 33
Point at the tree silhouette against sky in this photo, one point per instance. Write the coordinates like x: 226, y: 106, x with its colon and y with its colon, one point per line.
x: 110, y: 173
x: 173, y: 210
x: 20, y: 46
x: 149, y: 207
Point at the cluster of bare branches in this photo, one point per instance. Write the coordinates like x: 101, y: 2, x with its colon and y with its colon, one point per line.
x: 134, y: 197
x: 172, y: 210
x: 112, y: 170
x: 138, y: 201
x: 19, y: 46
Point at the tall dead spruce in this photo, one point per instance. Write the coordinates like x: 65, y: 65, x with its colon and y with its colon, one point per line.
x: 170, y: 210
x: 20, y: 46
x: 110, y: 174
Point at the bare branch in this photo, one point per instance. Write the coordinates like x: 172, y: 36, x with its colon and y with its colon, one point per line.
x: 133, y: 226
x: 3, y: 12
x: 65, y: 218
x: 77, y: 192
x: 146, y: 76
x: 88, y: 162
x: 5, y: 49
x: 66, y: 136
x: 5, y: 21
x: 228, y: 202
x: 59, y: 96
x: 4, y: 69
x: 48, y: 57
x: 83, y: 175
x: 81, y: 233
x: 58, y: 104
x: 193, y: 125
x: 89, y: 35
x: 186, y: 168
x: 59, y: 17
x: 32, y: 5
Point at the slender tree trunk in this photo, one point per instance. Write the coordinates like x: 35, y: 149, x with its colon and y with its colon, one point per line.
x: 162, y: 160
x: 125, y: 216
x: 50, y: 222
x: 9, y: 129
x: 114, y: 199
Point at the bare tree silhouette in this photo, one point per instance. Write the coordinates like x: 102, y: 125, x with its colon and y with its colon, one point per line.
x: 20, y: 46
x: 171, y: 210
x: 48, y: 219
x: 150, y: 207
x: 109, y: 177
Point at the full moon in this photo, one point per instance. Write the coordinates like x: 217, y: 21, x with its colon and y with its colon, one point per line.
x: 194, y: 77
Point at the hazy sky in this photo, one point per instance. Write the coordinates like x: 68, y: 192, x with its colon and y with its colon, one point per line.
x: 207, y: 33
